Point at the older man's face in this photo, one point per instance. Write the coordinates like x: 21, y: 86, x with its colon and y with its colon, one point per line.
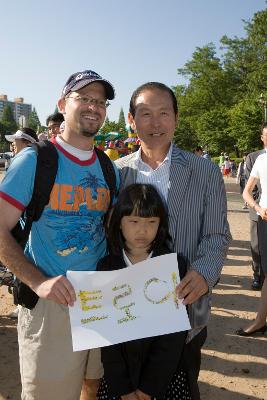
x: 155, y: 119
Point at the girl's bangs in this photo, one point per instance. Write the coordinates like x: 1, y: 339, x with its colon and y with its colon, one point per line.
x: 144, y: 209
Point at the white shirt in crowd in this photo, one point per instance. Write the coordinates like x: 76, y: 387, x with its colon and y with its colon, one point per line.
x: 259, y: 170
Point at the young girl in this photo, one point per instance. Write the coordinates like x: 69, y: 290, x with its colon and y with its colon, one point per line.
x: 142, y: 369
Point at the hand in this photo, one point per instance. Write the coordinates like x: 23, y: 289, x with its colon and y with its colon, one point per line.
x: 191, y: 287
x: 58, y: 289
x: 142, y: 396
x: 263, y: 213
x: 130, y: 396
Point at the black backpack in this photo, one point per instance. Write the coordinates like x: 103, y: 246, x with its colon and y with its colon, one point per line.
x: 45, y: 175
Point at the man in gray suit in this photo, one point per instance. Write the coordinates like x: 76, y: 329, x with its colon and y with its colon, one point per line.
x: 258, y: 276
x: 193, y: 191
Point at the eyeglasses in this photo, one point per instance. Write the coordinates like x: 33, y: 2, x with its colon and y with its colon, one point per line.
x: 90, y: 101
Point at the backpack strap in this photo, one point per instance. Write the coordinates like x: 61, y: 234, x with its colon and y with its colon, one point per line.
x: 108, y: 172
x: 45, y: 175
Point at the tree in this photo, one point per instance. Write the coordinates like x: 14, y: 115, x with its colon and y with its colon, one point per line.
x: 109, y: 126
x: 2, y: 132
x: 246, y: 58
x: 213, y: 128
x: 121, y: 122
x: 8, y: 120
x: 219, y: 106
x: 209, y: 85
x: 185, y: 133
x: 244, y: 124
x: 34, y: 121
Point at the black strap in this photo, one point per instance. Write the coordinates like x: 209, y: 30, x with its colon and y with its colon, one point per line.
x: 108, y: 172
x: 46, y: 171
x: 45, y: 175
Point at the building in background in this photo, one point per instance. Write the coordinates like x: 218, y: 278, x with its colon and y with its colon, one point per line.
x: 21, y: 110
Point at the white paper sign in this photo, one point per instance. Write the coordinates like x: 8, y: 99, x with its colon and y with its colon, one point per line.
x: 131, y: 303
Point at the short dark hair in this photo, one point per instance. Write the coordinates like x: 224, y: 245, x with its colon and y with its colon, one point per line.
x: 31, y: 133
x: 141, y: 200
x: 264, y: 125
x: 198, y: 148
x: 152, y: 86
x: 56, y: 117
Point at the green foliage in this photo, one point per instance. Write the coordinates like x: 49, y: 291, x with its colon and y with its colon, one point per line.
x: 8, y: 123
x: 121, y: 123
x: 34, y: 122
x: 109, y: 126
x: 244, y: 125
x: 211, y: 128
x: 219, y: 107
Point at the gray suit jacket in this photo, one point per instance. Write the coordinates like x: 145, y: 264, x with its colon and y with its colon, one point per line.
x: 250, y: 160
x: 197, y: 211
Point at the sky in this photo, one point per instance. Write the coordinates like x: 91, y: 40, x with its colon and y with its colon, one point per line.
x: 128, y: 42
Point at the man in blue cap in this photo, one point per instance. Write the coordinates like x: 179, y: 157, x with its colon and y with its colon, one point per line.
x: 69, y: 235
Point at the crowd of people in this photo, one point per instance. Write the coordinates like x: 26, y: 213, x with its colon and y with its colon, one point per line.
x: 163, y: 202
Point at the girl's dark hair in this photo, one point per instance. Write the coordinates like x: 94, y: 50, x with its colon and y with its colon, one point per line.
x: 142, y: 201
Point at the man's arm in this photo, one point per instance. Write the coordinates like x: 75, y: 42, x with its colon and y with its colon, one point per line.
x: 213, y: 243
x: 58, y: 288
x: 250, y: 161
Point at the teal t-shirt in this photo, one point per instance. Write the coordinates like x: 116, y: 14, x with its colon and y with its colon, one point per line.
x: 70, y: 233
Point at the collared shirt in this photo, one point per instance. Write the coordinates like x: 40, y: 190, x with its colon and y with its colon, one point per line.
x: 128, y: 262
x: 159, y: 177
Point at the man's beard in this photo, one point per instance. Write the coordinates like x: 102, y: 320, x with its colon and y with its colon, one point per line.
x: 88, y: 134
x: 90, y: 131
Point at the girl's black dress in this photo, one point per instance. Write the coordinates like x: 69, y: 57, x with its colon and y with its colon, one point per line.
x: 149, y: 364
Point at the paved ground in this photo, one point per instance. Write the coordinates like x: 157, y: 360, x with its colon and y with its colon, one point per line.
x: 233, y: 368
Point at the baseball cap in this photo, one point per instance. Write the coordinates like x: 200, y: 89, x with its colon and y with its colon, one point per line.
x: 81, y: 79
x: 20, y: 135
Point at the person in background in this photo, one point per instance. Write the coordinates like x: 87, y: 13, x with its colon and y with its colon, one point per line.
x: 42, y: 136
x: 233, y: 168
x: 197, y: 209
x: 259, y: 174
x: 254, y: 217
x: 241, y: 177
x: 21, y: 139
x: 221, y: 161
x: 9, y: 158
x: 206, y: 155
x: 198, y: 151
x: 53, y: 123
x: 227, y: 167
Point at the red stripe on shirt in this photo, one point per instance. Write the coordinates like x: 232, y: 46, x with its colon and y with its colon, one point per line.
x: 73, y: 158
x: 12, y: 201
